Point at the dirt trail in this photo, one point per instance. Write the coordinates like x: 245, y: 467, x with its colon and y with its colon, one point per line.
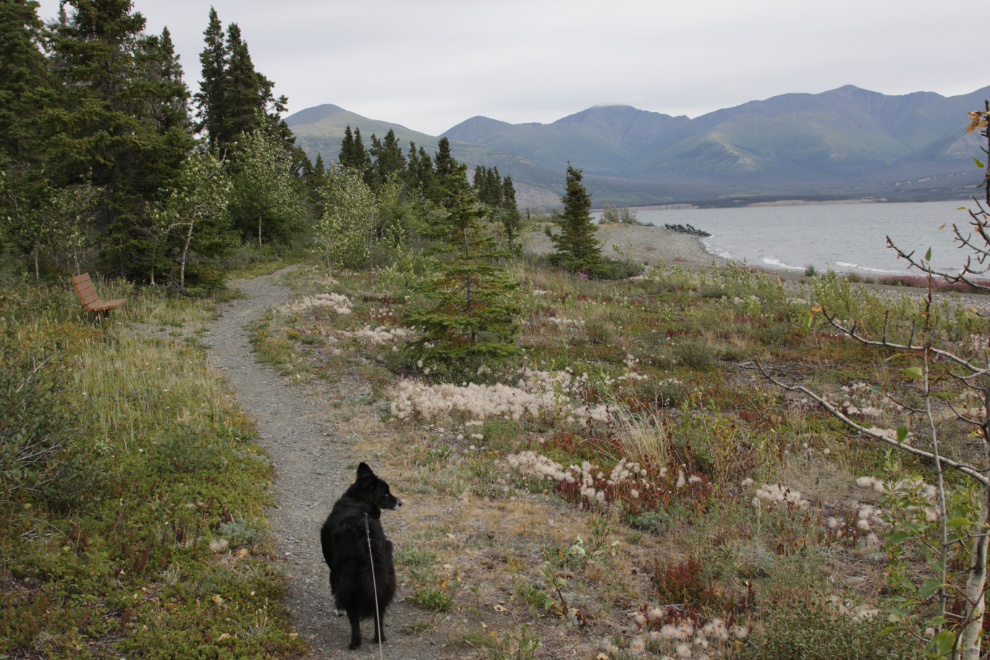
x: 314, y: 467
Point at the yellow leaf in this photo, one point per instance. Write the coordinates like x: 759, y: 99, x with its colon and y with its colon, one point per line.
x: 975, y: 116
x: 942, y: 227
x: 972, y: 310
x: 499, y: 608
x: 816, y: 308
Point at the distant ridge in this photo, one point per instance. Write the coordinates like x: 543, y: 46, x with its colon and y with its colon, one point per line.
x: 843, y: 143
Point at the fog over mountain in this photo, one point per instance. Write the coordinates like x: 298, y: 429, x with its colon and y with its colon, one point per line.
x: 846, y: 142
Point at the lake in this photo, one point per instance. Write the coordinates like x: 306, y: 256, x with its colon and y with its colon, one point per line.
x: 844, y: 237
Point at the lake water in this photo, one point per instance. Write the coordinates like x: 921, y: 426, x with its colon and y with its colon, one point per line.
x: 843, y: 237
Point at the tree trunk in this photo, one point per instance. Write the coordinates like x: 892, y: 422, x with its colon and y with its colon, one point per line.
x: 969, y: 640
x: 259, y: 230
x: 185, y: 251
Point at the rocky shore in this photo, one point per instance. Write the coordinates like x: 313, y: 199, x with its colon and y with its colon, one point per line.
x: 646, y: 244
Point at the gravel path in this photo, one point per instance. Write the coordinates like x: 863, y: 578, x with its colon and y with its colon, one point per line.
x: 314, y: 467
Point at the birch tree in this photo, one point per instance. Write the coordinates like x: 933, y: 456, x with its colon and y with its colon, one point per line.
x: 263, y: 199
x: 194, y: 210
x: 359, y: 227
x: 954, y: 533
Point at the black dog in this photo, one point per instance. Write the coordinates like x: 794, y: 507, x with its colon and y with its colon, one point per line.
x: 355, y: 517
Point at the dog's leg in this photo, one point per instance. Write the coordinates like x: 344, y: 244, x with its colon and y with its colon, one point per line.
x: 355, y: 629
x: 380, y: 627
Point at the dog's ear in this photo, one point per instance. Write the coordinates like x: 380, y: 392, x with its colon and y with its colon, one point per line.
x: 364, y: 474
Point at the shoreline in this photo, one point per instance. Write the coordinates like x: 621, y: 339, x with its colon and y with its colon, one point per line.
x: 646, y: 244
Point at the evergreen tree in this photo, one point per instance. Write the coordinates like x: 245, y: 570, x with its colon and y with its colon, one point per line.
x: 419, y: 170
x: 243, y: 90
x: 471, y: 317
x: 443, y: 162
x: 353, y: 154
x: 24, y: 72
x: 315, y: 178
x: 210, y: 101
x: 577, y: 248
x: 477, y: 181
x: 346, y: 156
x: 511, y: 221
x: 448, y: 176
x: 23, y: 85
x: 114, y: 122
x: 234, y: 98
x: 388, y: 158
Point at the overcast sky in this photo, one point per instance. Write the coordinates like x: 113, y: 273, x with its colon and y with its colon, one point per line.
x: 431, y: 64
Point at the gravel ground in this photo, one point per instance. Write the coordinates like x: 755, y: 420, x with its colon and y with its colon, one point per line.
x: 646, y: 244
x: 314, y: 467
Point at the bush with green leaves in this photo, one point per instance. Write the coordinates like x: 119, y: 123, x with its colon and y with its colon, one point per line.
x: 803, y: 631
x: 36, y: 432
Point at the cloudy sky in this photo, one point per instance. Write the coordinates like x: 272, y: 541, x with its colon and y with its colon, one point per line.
x: 430, y: 64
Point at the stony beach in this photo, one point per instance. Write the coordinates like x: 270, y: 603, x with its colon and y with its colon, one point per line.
x: 646, y: 244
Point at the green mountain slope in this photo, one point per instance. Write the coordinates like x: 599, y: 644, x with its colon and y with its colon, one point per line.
x: 319, y: 130
x: 846, y: 142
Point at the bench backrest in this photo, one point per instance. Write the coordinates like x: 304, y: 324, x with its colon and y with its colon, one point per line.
x: 85, y: 289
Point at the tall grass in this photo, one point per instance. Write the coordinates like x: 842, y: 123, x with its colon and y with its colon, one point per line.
x: 112, y: 554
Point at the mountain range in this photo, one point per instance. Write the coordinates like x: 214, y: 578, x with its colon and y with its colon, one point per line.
x: 840, y: 144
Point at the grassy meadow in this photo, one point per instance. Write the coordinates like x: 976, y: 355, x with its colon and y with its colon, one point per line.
x: 631, y: 485
x: 131, y: 507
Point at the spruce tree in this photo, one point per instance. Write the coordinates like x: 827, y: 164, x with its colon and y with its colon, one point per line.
x: 242, y: 100
x: 108, y: 124
x: 578, y: 250
x: 346, y: 156
x: 509, y: 214
x: 24, y: 73
x: 477, y: 181
x: 235, y: 98
x: 210, y: 101
x: 24, y: 85
x: 446, y: 184
x: 360, y: 160
x: 388, y: 158
x: 470, y: 317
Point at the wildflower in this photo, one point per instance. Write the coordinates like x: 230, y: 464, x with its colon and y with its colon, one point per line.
x: 683, y: 651
x: 747, y: 482
x: 638, y: 646
x: 740, y: 632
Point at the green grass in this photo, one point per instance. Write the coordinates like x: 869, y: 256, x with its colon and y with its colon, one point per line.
x: 112, y: 555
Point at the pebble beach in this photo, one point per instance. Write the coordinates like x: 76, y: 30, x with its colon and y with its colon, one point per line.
x: 646, y: 244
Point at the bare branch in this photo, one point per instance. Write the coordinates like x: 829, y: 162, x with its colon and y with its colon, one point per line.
x: 900, y: 347
x: 966, y: 469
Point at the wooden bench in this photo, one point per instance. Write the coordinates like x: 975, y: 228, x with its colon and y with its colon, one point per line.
x: 89, y: 299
